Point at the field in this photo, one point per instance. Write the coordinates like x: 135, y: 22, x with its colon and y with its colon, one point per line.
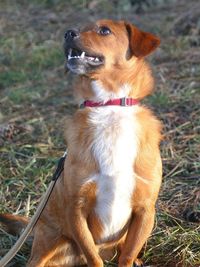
x: 36, y: 94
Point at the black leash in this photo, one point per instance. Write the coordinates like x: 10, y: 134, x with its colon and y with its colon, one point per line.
x: 60, y: 167
x: 56, y: 175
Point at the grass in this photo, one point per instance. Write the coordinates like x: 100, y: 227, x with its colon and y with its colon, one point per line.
x: 35, y: 95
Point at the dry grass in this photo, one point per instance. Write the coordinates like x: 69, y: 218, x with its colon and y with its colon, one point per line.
x: 35, y: 95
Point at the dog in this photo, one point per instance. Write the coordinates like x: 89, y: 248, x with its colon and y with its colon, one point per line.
x: 103, y: 205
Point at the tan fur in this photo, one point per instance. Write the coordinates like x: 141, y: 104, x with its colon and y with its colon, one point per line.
x: 69, y: 230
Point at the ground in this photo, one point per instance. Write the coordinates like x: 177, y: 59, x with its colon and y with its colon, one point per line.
x: 36, y: 94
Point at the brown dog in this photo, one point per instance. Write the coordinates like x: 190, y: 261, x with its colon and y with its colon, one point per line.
x: 105, y: 201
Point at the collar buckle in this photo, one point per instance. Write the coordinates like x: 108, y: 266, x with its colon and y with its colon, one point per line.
x: 123, y: 102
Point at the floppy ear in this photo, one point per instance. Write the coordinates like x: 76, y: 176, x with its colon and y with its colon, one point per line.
x: 141, y: 43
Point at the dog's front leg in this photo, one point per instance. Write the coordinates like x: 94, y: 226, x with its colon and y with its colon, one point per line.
x: 138, y: 232
x: 84, y: 239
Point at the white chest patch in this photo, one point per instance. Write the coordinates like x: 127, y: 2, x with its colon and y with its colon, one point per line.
x: 115, y: 148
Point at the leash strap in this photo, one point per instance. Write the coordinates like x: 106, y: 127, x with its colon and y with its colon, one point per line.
x: 13, y: 251
x: 60, y: 167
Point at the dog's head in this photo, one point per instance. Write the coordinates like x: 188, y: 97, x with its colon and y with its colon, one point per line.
x: 105, y: 45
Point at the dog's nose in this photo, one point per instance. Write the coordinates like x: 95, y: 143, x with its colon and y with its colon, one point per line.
x: 72, y: 34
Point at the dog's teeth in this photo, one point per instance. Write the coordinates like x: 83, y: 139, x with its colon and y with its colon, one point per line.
x: 96, y: 59
x: 69, y: 54
x: 83, y: 55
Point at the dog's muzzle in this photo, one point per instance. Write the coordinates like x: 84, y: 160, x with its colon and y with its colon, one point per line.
x: 78, y: 59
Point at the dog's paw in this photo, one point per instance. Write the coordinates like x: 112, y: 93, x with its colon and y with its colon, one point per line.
x: 138, y: 263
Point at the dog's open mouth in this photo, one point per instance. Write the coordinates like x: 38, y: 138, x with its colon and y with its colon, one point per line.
x: 84, y: 57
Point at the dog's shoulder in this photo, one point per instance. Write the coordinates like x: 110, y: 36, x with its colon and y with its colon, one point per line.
x: 150, y: 126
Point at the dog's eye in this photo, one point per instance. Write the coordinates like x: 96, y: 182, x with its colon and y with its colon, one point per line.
x: 104, y: 30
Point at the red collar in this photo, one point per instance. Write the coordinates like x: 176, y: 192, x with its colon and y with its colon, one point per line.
x: 124, y: 102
